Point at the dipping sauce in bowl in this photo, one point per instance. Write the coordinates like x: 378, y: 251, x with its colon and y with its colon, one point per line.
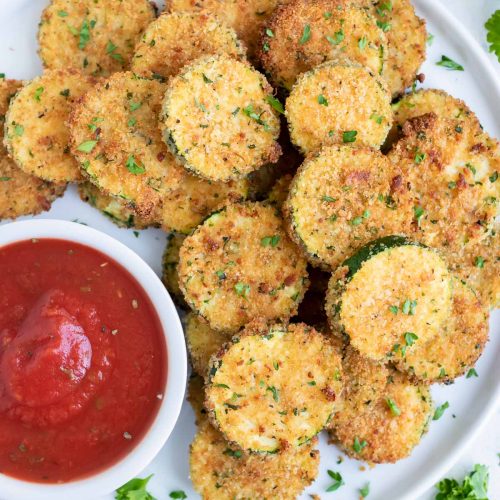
x: 82, y: 361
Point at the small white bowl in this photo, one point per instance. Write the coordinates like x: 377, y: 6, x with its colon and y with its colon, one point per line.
x: 154, y: 439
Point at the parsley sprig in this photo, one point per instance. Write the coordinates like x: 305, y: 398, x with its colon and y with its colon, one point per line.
x: 473, y: 487
x: 492, y: 26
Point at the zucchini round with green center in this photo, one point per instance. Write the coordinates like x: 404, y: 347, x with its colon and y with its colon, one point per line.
x: 36, y: 134
x: 114, y: 208
x: 222, y: 471
x: 456, y: 347
x: 301, y: 35
x: 341, y: 199
x: 96, y: 36
x: 240, y: 265
x: 174, y: 40
x: 338, y: 102
x: 202, y: 342
x: 386, y: 427
x: 274, y: 387
x: 115, y: 137
x: 406, y: 42
x: 390, y: 295
x: 218, y: 119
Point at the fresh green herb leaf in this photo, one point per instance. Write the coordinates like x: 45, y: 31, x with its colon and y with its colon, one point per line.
x: 4, y: 179
x: 84, y: 34
x: 410, y: 338
x: 306, y: 35
x: 327, y: 15
x: 275, y: 103
x: 87, y: 146
x: 479, y: 262
x: 493, y: 177
x: 64, y: 93
x: 270, y: 240
x: 133, y: 167
x: 492, y: 26
x: 38, y: 93
x: 362, y: 42
x: 134, y: 105
x: 419, y: 158
x: 394, y: 309
x: 18, y: 129
x: 393, y: 407
x: 337, y: 38
x: 269, y: 32
x: 337, y: 481
x: 440, y: 410
x: 418, y: 212
x: 62, y: 13
x: 242, y: 289
x: 233, y: 453
x: 473, y: 487
x: 206, y: 79
x: 378, y: 118
x: 274, y: 392
x: 430, y: 39
x: 349, y: 136
x: 328, y: 199
x: 358, y: 445
x: 178, y: 494
x: 131, y: 122
x: 365, y: 490
x: 135, y: 489
x: 249, y: 111
x: 384, y: 26
x: 322, y: 100
x: 448, y: 63
x: 471, y: 373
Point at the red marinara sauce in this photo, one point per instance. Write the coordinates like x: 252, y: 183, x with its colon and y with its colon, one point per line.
x: 82, y: 361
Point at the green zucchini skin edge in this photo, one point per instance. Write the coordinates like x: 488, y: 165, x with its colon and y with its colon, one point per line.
x: 356, y: 261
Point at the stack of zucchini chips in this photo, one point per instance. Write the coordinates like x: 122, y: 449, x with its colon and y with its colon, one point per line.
x: 331, y: 233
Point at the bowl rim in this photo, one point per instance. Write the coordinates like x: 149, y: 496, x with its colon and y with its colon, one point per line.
x: 148, y: 447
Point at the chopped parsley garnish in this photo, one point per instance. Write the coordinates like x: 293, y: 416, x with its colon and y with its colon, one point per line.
x: 471, y: 373
x: 430, y: 39
x: 18, y: 129
x: 492, y: 26
x: 410, y: 338
x: 448, y: 63
x: 110, y: 50
x: 306, y: 35
x: 274, y: 392
x: 349, y: 136
x: 221, y: 386
x: 322, y: 100
x: 440, y: 410
x: 4, y: 179
x: 242, y: 289
x: 378, y: 118
x: 64, y: 93
x: 408, y: 307
x: 38, y: 93
x: 177, y: 494
x: 270, y: 241
x: 365, y: 490
x: 393, y: 407
x: 394, y: 309
x: 87, y: 146
x: 419, y: 157
x: 358, y: 445
x: 329, y: 199
x: 133, y: 167
x: 84, y: 34
x: 418, y: 212
x: 249, y: 111
x: 327, y: 15
x: 479, y: 262
x: 269, y: 32
x: 473, y: 487
x: 206, y: 79
x: 362, y: 42
x: 275, y: 103
x: 134, y: 105
x: 384, y: 26
x: 493, y: 177
x: 135, y: 489
x: 337, y: 481
x: 337, y: 38
x: 233, y: 453
x: 131, y: 122
x: 62, y: 13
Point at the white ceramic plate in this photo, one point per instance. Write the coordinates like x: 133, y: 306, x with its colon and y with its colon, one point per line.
x: 471, y: 401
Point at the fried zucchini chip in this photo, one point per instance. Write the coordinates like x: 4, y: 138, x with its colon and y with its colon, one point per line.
x: 115, y: 137
x: 383, y: 415
x: 341, y: 199
x: 455, y: 348
x: 96, y: 36
x: 174, y: 40
x: 279, y: 192
x: 274, y: 387
x: 194, y: 199
x: 114, y: 208
x: 301, y: 35
x: 170, y: 264
x: 218, y: 119
x: 390, y: 295
x: 451, y: 173
x: 240, y: 265
x: 338, y: 103
x: 429, y: 101
x: 21, y: 193
x: 246, y: 17
x: 202, y: 342
x: 220, y: 471
x: 36, y: 134
x: 406, y: 42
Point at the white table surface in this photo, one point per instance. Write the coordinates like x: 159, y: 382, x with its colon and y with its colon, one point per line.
x: 473, y: 14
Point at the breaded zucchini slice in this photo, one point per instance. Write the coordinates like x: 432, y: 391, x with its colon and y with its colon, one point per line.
x: 174, y: 40
x: 114, y: 208
x: 429, y: 101
x: 97, y: 37
x: 194, y: 199
x: 406, y: 42
x: 338, y: 103
x: 115, y: 137
x: 479, y: 266
x: 451, y: 173
x: 456, y: 347
x: 202, y: 342
x: 21, y: 193
x: 247, y: 17
x: 220, y: 471
x: 274, y: 387
x: 217, y: 118
x: 390, y: 295
x: 342, y: 198
x: 279, y: 192
x: 170, y: 264
x: 301, y: 35
x: 240, y: 265
x: 386, y: 427
x: 36, y: 134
